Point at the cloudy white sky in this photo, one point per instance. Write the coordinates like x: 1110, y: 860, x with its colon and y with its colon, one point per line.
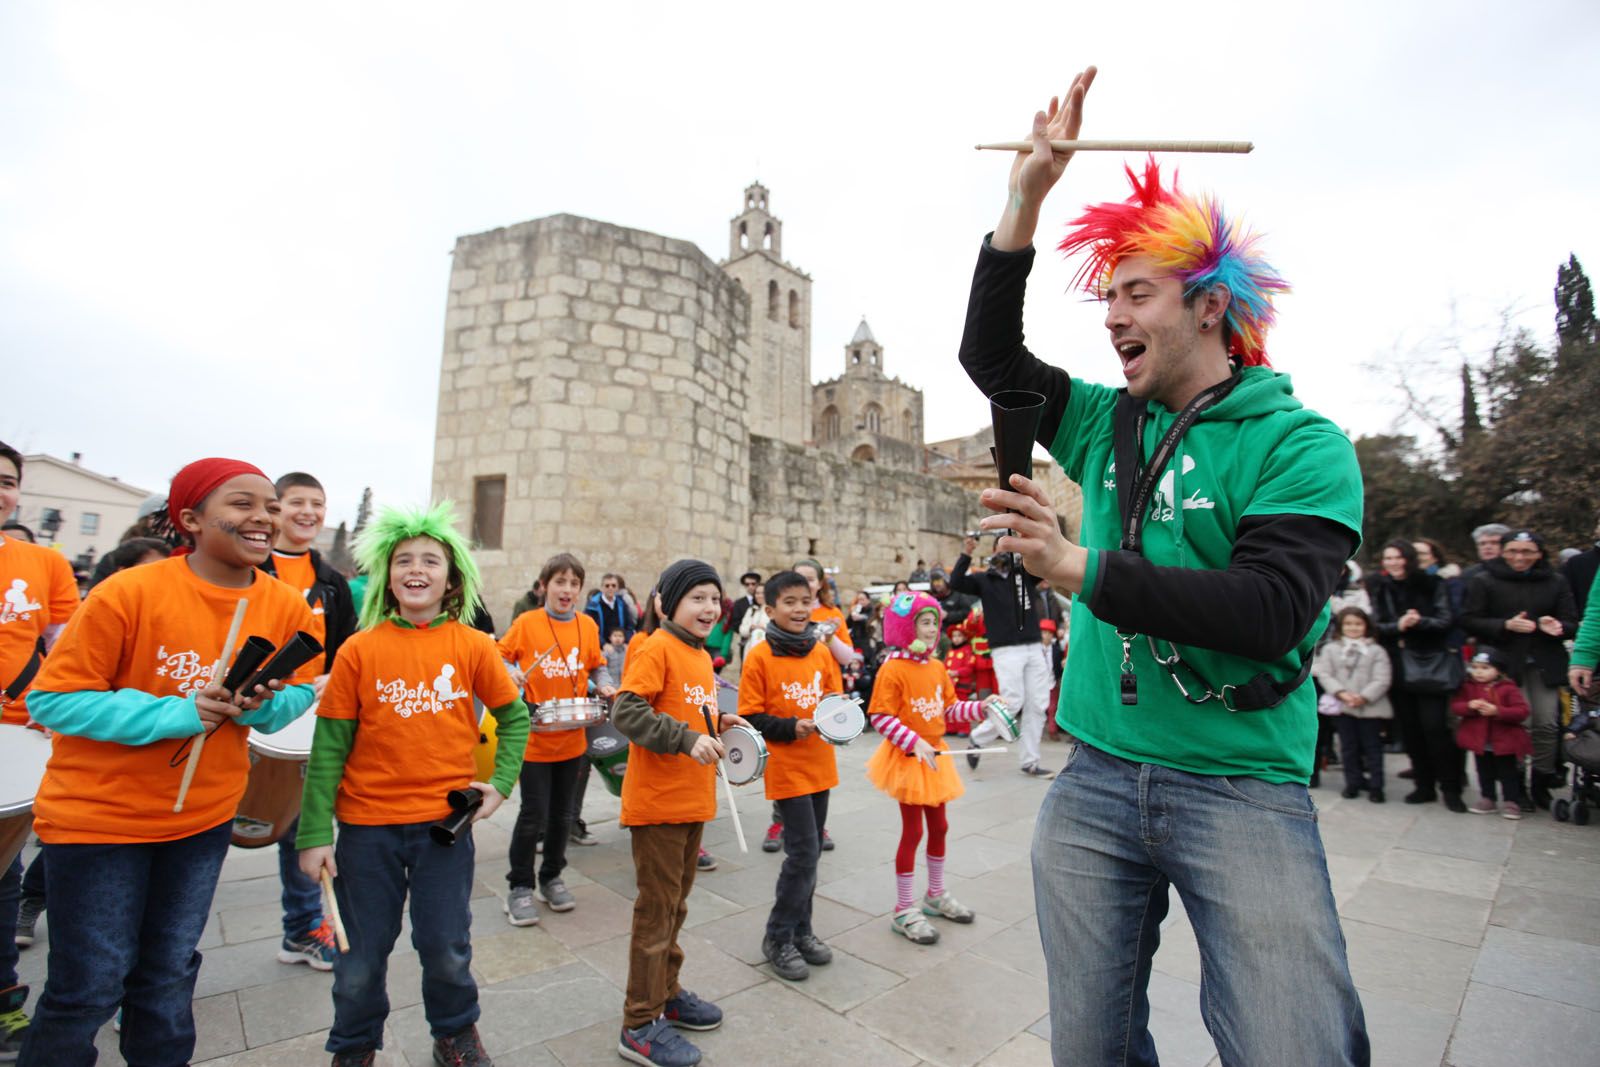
x: 225, y: 228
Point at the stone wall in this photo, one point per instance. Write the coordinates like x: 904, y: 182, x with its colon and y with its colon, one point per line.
x: 594, y: 367
x: 871, y: 522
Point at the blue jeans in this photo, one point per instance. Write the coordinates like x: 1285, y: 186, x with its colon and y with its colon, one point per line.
x: 124, y: 923
x: 10, y: 898
x: 302, y: 898
x: 377, y: 866
x: 1247, y: 862
x: 803, y: 820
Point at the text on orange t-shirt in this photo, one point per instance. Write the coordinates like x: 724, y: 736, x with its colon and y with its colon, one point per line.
x: 915, y: 693
x: 410, y: 691
x: 159, y: 629
x: 37, y: 590
x: 676, y: 679
x: 791, y: 686
x: 557, y: 658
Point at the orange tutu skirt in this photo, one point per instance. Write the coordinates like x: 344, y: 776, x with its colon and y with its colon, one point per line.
x: 910, y: 781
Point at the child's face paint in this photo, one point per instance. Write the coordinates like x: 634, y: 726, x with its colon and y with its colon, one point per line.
x: 419, y: 577
x: 234, y: 526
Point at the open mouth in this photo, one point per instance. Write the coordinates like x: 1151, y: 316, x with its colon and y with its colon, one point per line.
x: 1132, y: 354
x: 256, y: 538
x: 416, y: 585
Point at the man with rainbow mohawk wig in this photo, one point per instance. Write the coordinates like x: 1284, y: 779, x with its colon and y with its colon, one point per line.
x: 1218, y: 513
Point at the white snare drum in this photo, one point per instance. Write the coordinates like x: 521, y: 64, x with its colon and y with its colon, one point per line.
x: 555, y: 715
x: 23, y: 754
x: 271, y: 801
x: 747, y: 754
x: 999, y: 716
x: 839, y: 718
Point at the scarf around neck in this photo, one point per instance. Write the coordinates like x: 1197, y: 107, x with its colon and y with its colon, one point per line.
x: 785, y: 643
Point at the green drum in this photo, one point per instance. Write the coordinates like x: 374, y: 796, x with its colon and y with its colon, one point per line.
x: 608, y: 751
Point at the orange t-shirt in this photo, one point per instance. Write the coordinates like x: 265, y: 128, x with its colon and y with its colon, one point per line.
x: 918, y: 694
x: 557, y: 658
x: 410, y: 692
x: 820, y: 612
x: 677, y: 680
x: 37, y: 590
x: 296, y: 570
x: 159, y: 629
x: 791, y: 686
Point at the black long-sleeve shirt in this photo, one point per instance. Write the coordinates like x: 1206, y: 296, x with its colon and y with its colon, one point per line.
x: 1281, y: 571
x: 1001, y: 623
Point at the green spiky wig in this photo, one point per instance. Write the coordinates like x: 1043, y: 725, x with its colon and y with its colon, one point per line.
x: 376, y: 544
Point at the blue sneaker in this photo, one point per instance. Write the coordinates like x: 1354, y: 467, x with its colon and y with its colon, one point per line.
x: 657, y: 1044
x: 314, y: 947
x: 689, y: 1012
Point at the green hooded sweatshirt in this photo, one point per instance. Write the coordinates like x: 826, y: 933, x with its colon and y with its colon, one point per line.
x: 1258, y: 452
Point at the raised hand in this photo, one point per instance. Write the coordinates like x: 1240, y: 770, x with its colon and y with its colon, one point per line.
x: 1034, y: 174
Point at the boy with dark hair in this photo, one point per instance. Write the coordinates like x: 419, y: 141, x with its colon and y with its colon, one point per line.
x: 307, y: 937
x: 784, y: 678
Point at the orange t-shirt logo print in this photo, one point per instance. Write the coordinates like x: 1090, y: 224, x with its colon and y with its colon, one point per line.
x: 929, y: 708
x: 556, y: 667
x: 18, y: 604
x: 696, y: 695
x: 433, y: 698
x: 803, y: 695
x: 184, y: 668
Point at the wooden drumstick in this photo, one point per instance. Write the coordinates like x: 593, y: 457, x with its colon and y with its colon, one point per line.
x: 330, y: 904
x: 221, y: 665
x: 969, y: 751
x: 733, y: 803
x: 1123, y: 146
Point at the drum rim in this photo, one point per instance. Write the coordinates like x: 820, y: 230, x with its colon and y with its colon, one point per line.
x: 759, y: 764
x: 860, y: 726
x: 570, y: 702
x: 41, y: 748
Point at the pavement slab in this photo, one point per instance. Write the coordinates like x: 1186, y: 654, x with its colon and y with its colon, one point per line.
x: 1472, y: 941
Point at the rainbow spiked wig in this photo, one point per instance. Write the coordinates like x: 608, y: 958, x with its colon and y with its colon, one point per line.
x: 1190, y: 238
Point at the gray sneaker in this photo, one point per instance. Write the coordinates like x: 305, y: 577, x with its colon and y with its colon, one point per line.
x: 28, y: 912
x: 521, y: 909
x: 1033, y: 770
x: 555, y: 894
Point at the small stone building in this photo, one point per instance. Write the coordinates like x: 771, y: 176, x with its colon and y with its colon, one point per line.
x: 864, y: 414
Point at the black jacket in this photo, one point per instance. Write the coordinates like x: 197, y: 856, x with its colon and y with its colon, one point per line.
x: 1579, y: 572
x: 338, y: 606
x: 1000, y: 619
x: 1498, y: 593
x: 1391, y: 599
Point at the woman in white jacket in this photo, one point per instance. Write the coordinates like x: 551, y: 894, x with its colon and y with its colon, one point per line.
x: 1354, y: 672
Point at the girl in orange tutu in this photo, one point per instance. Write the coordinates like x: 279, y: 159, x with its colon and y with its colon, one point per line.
x: 912, y: 701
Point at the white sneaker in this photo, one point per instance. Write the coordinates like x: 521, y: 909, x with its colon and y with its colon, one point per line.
x: 947, y: 907
x: 911, y: 925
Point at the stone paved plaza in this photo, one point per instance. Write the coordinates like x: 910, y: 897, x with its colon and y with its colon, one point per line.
x: 1475, y: 942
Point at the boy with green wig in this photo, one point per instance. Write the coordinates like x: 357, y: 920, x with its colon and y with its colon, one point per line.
x: 395, y: 734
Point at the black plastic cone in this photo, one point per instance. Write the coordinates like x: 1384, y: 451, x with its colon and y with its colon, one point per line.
x: 1016, y: 414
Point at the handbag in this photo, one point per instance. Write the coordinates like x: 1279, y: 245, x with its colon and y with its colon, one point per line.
x: 1431, y: 670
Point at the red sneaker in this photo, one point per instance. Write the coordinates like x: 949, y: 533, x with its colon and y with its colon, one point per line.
x: 774, y: 839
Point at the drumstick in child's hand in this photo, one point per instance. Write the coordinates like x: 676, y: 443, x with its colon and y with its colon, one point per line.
x: 216, y: 676
x: 969, y: 751
x: 733, y: 803
x: 331, y: 904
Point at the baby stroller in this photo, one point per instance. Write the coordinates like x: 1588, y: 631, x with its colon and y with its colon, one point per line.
x: 1583, y: 752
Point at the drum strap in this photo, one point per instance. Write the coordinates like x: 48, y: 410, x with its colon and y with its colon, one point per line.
x: 25, y: 679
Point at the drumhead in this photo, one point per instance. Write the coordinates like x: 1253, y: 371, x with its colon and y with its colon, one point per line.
x: 23, y: 754
x: 1002, y: 719
x: 747, y: 754
x: 839, y: 719
x: 293, y: 742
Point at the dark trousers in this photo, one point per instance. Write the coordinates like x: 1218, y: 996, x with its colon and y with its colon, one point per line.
x: 301, y: 897
x: 664, y: 863
x: 10, y: 897
x: 803, y: 820
x: 378, y: 865
x: 1361, y: 751
x: 546, y: 794
x: 124, y: 923
x: 1506, y: 770
x: 1435, y: 759
x: 33, y: 879
x: 580, y: 786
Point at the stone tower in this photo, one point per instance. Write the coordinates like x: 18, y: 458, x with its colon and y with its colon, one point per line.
x: 587, y: 374
x: 866, y: 415
x: 780, y: 322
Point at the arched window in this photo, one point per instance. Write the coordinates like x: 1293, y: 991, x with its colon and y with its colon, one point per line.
x: 908, y: 425
x: 872, y: 418
x: 744, y: 237
x: 864, y: 454
x: 794, y: 310
x: 766, y: 237
x: 830, y: 423
x: 772, y: 301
